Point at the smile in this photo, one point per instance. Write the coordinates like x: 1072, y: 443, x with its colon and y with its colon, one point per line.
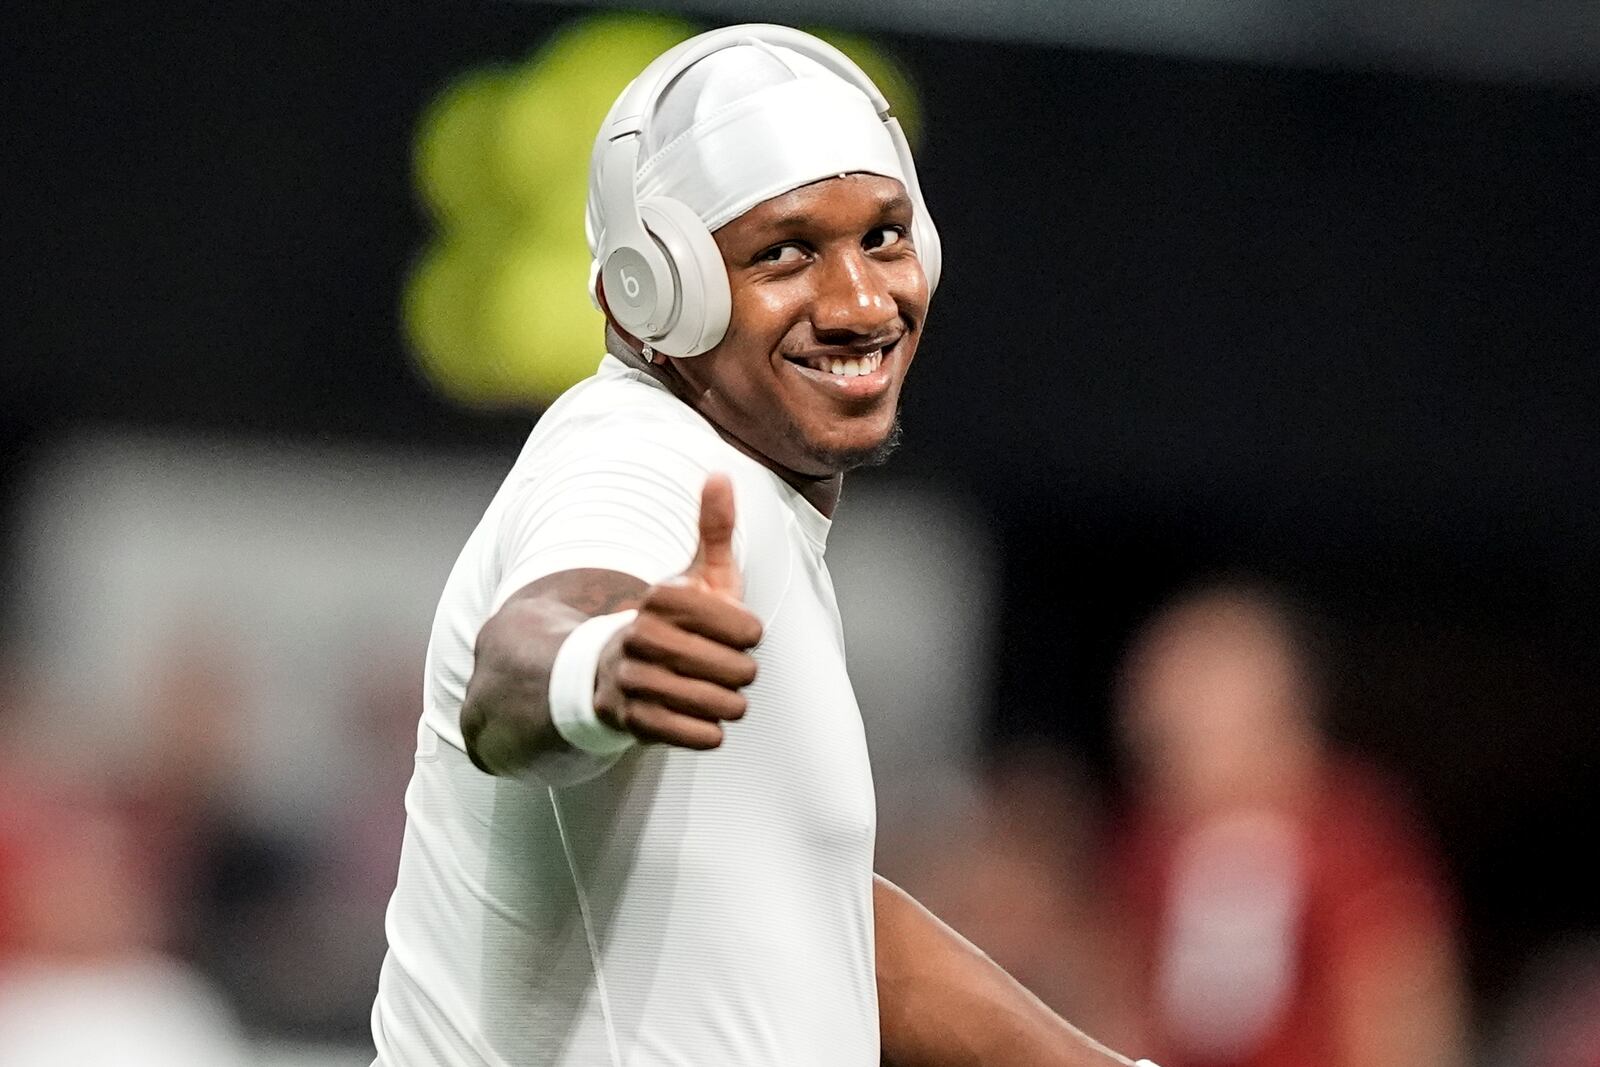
x: 845, y: 368
x: 852, y: 376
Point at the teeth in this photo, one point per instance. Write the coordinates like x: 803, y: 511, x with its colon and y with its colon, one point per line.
x: 849, y: 368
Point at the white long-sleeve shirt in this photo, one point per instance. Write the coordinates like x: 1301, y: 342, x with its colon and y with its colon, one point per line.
x: 684, y: 908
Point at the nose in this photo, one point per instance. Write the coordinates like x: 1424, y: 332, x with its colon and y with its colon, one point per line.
x: 852, y: 297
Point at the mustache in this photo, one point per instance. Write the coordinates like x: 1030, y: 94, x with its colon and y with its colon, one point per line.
x: 858, y: 345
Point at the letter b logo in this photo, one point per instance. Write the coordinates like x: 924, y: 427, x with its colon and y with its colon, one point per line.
x: 628, y: 281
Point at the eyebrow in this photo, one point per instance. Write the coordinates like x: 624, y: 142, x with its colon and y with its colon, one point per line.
x: 803, y: 220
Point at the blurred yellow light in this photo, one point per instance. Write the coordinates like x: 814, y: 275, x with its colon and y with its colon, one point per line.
x: 455, y: 153
x: 555, y: 105
x: 440, y: 312
x: 539, y: 332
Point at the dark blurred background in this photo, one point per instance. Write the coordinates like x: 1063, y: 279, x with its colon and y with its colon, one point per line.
x: 1311, y: 295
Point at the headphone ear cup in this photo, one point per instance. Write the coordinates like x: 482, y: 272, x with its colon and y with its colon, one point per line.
x: 929, y: 249
x: 703, y: 301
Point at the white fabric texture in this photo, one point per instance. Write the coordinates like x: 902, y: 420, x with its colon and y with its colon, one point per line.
x: 748, y: 123
x: 707, y: 908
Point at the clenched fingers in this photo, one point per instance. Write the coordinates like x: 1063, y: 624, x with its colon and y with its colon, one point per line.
x: 653, y: 639
x: 704, y: 700
x: 704, y: 612
x: 655, y: 724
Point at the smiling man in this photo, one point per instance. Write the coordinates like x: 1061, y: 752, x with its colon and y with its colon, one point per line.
x: 640, y: 828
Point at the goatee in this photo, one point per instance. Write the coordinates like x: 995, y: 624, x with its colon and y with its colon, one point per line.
x: 875, y: 456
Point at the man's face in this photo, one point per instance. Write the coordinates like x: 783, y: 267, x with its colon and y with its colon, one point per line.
x: 1216, y: 705
x: 828, y: 304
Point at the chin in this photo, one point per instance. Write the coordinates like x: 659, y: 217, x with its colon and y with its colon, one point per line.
x: 873, y: 452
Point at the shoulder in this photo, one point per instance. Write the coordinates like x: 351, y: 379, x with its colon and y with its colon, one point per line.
x: 1363, y: 802
x: 1371, y: 833
x: 620, y: 459
x: 621, y: 425
x: 619, y: 419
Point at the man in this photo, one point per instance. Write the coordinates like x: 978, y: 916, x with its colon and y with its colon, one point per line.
x: 640, y: 830
x: 1283, y: 906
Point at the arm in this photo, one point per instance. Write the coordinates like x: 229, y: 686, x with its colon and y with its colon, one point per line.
x: 672, y: 675
x: 943, y: 1003
x: 505, y: 718
x: 1394, y: 972
x: 1401, y: 1003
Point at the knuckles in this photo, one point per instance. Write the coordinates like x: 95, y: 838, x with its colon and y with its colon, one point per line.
x: 629, y: 675
x: 665, y: 596
x: 653, y: 661
x: 674, y: 600
x: 644, y: 635
x: 750, y: 636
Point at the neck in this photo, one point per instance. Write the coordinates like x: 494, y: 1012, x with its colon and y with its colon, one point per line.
x: 821, y: 493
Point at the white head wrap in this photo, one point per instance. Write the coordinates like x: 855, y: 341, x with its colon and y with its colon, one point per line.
x: 748, y: 123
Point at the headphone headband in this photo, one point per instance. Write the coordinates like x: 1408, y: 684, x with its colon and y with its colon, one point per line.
x: 631, y: 114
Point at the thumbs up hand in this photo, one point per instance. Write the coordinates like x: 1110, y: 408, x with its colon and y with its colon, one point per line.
x: 674, y: 674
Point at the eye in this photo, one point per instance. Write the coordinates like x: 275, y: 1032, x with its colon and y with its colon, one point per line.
x: 883, y: 237
x: 784, y: 253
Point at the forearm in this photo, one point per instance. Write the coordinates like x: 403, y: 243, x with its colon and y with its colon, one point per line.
x: 505, y: 717
x: 943, y: 1003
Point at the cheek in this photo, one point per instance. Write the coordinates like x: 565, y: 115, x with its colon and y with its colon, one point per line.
x: 910, y: 291
x: 739, y: 368
x: 764, y: 313
x: 743, y: 362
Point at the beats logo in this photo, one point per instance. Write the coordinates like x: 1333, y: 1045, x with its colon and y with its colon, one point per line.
x: 627, y: 277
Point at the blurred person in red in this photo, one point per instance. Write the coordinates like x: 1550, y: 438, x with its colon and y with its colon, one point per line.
x: 1282, y: 905
x: 99, y: 874
x: 83, y: 977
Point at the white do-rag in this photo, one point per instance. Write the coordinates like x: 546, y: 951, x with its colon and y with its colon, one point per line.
x: 748, y: 123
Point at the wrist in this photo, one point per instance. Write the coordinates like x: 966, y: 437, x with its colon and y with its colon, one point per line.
x: 572, y: 686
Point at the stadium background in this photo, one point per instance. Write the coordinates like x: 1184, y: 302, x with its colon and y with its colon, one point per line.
x: 1312, y: 298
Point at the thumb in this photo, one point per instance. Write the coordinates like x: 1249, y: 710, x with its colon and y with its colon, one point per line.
x: 713, y: 565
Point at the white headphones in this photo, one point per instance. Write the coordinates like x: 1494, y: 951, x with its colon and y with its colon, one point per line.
x: 665, y: 282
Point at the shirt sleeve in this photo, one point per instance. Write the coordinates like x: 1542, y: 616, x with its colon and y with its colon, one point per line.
x: 631, y: 505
